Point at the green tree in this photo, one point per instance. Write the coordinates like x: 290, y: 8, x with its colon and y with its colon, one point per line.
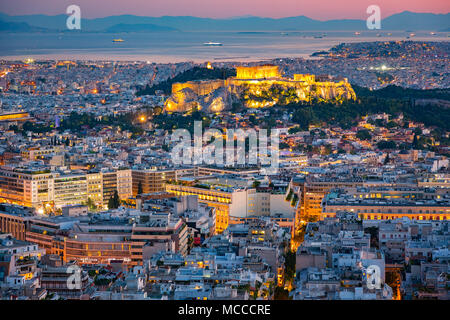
x: 139, y: 190
x: 256, y: 184
x: 281, y: 294
x: 290, y: 257
x: 327, y: 149
x: 383, y: 144
x: 294, y: 130
x: 363, y: 135
x: 114, y: 201
x: 415, y: 143
x: 387, y: 159
x: 90, y: 203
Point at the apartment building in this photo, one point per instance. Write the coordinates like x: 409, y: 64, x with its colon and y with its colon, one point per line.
x: 26, y: 186
x: 151, y: 180
x: 56, y: 280
x: 39, y: 187
x: 35, y: 153
x: 15, y: 220
x: 158, y: 232
x: 18, y: 258
x: 389, y: 203
x: 235, y: 199
x: 310, y: 191
x: 69, y: 189
x: 95, y: 187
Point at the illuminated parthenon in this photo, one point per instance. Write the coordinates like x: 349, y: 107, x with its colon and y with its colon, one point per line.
x: 258, y: 72
x: 259, y: 86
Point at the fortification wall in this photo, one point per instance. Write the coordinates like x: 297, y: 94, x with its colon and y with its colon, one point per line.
x: 200, y: 88
x: 256, y: 82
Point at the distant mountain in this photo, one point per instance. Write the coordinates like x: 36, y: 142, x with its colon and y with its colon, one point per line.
x: 416, y: 21
x: 401, y: 21
x: 122, y: 27
x: 243, y: 16
x: 42, y: 21
x: 18, y: 27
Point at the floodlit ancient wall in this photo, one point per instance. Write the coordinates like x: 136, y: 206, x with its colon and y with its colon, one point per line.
x: 200, y: 88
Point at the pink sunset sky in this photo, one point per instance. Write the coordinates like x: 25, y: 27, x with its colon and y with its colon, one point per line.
x: 316, y: 9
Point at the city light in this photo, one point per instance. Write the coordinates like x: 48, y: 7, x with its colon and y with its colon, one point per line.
x: 296, y: 156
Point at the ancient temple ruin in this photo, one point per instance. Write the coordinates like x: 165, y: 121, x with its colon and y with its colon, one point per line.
x: 257, y: 87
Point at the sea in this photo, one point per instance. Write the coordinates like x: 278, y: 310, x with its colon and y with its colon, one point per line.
x: 172, y: 47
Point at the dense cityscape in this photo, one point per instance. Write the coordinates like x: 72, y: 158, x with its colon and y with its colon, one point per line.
x: 324, y: 177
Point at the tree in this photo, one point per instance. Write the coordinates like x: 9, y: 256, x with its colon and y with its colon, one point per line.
x: 289, y: 257
x: 256, y: 184
x: 363, y: 135
x: 236, y: 107
x: 383, y: 144
x: 114, y: 201
x: 111, y: 203
x: 416, y: 142
x: 294, y: 129
x: 391, y: 124
x: 373, y: 231
x: 327, y: 149
x: 281, y: 294
x: 139, y: 190
x: 271, y: 122
x: 387, y: 159
x: 196, y: 73
x: 90, y: 203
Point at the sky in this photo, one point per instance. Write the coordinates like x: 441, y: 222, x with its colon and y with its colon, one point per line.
x: 316, y: 9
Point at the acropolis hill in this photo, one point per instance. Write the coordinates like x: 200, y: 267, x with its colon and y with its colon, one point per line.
x: 256, y: 87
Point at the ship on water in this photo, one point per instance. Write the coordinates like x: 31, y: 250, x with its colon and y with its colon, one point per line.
x: 118, y: 40
x: 213, y: 44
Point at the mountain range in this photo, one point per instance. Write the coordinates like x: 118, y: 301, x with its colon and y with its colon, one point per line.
x: 130, y: 23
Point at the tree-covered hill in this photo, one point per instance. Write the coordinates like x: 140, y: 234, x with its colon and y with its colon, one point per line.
x: 396, y: 92
x: 196, y: 73
x: 392, y: 100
